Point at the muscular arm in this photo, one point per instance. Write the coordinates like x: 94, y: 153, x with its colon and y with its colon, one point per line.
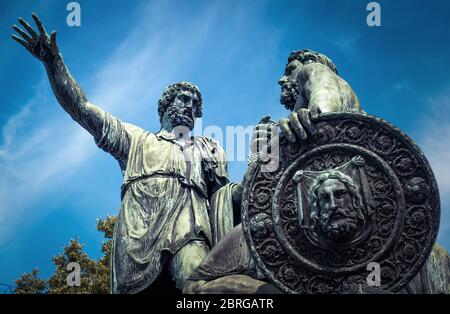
x: 320, y: 88
x: 72, y: 98
x: 109, y: 133
x: 319, y: 91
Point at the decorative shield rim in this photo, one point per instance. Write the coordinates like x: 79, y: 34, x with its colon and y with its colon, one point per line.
x: 409, y: 143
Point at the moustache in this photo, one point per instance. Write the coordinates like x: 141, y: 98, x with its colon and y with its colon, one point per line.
x: 182, y: 117
x: 289, y: 88
x: 339, y: 213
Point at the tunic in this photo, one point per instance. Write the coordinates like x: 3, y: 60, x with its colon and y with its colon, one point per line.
x: 165, y: 193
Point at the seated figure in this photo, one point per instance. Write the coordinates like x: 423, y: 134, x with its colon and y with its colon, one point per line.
x: 309, y: 86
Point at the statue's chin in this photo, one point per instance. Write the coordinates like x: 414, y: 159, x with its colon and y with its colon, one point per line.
x: 341, y: 230
x: 185, y: 125
x: 289, y: 94
x: 287, y: 100
x: 180, y: 122
x: 285, y: 96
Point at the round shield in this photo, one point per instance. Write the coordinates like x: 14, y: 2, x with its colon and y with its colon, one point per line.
x: 356, y: 204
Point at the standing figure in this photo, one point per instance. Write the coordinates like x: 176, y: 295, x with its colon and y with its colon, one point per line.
x: 169, y: 181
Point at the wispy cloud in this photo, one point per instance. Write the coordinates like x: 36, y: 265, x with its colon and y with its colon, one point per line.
x: 347, y: 43
x: 36, y: 156
x: 402, y: 85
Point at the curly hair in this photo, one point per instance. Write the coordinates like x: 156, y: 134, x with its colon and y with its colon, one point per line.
x: 306, y: 56
x: 346, y: 180
x: 171, y: 92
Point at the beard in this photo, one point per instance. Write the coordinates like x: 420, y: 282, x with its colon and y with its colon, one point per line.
x: 289, y: 94
x: 341, y: 225
x: 181, y: 117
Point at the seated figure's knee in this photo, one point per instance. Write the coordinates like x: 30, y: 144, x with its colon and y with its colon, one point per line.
x: 186, y: 260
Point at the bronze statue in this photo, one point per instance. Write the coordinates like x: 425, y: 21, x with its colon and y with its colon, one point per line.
x: 310, y: 86
x: 310, y: 226
x: 337, y: 206
x: 169, y: 177
x: 319, y: 237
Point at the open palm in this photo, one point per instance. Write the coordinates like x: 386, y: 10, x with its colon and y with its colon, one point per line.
x: 41, y: 45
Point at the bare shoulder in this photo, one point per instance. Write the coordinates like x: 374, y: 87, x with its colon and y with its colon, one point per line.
x: 314, y: 69
x: 344, y: 85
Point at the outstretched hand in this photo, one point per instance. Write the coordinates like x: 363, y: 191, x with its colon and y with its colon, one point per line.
x: 41, y: 45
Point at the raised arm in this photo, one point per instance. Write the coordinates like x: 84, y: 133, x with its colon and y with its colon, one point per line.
x: 108, y: 132
x: 68, y: 93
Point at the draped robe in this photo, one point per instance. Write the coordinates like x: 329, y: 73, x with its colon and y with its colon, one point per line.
x: 164, y: 197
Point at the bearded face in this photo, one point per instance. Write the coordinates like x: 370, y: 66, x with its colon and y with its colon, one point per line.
x: 289, y: 86
x: 340, y: 227
x: 338, y: 218
x: 181, y: 111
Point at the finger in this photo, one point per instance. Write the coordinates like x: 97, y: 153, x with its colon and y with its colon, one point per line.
x: 260, y: 145
x: 261, y: 134
x: 28, y: 27
x: 286, y: 130
x: 53, y: 38
x: 297, y: 126
x: 38, y: 22
x: 314, y: 112
x: 264, y: 120
x: 266, y: 137
x: 21, y: 41
x: 263, y: 126
x: 305, y: 119
x: 262, y: 130
x: 22, y: 33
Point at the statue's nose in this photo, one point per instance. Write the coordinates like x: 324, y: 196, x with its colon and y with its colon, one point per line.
x: 282, y: 80
x: 332, y: 203
x: 188, y: 103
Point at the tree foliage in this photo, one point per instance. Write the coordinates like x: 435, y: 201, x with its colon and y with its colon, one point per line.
x: 94, y: 275
x: 29, y: 283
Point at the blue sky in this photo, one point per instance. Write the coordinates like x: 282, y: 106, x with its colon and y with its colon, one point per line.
x: 55, y: 182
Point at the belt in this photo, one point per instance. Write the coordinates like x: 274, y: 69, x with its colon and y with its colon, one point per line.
x: 182, y: 179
